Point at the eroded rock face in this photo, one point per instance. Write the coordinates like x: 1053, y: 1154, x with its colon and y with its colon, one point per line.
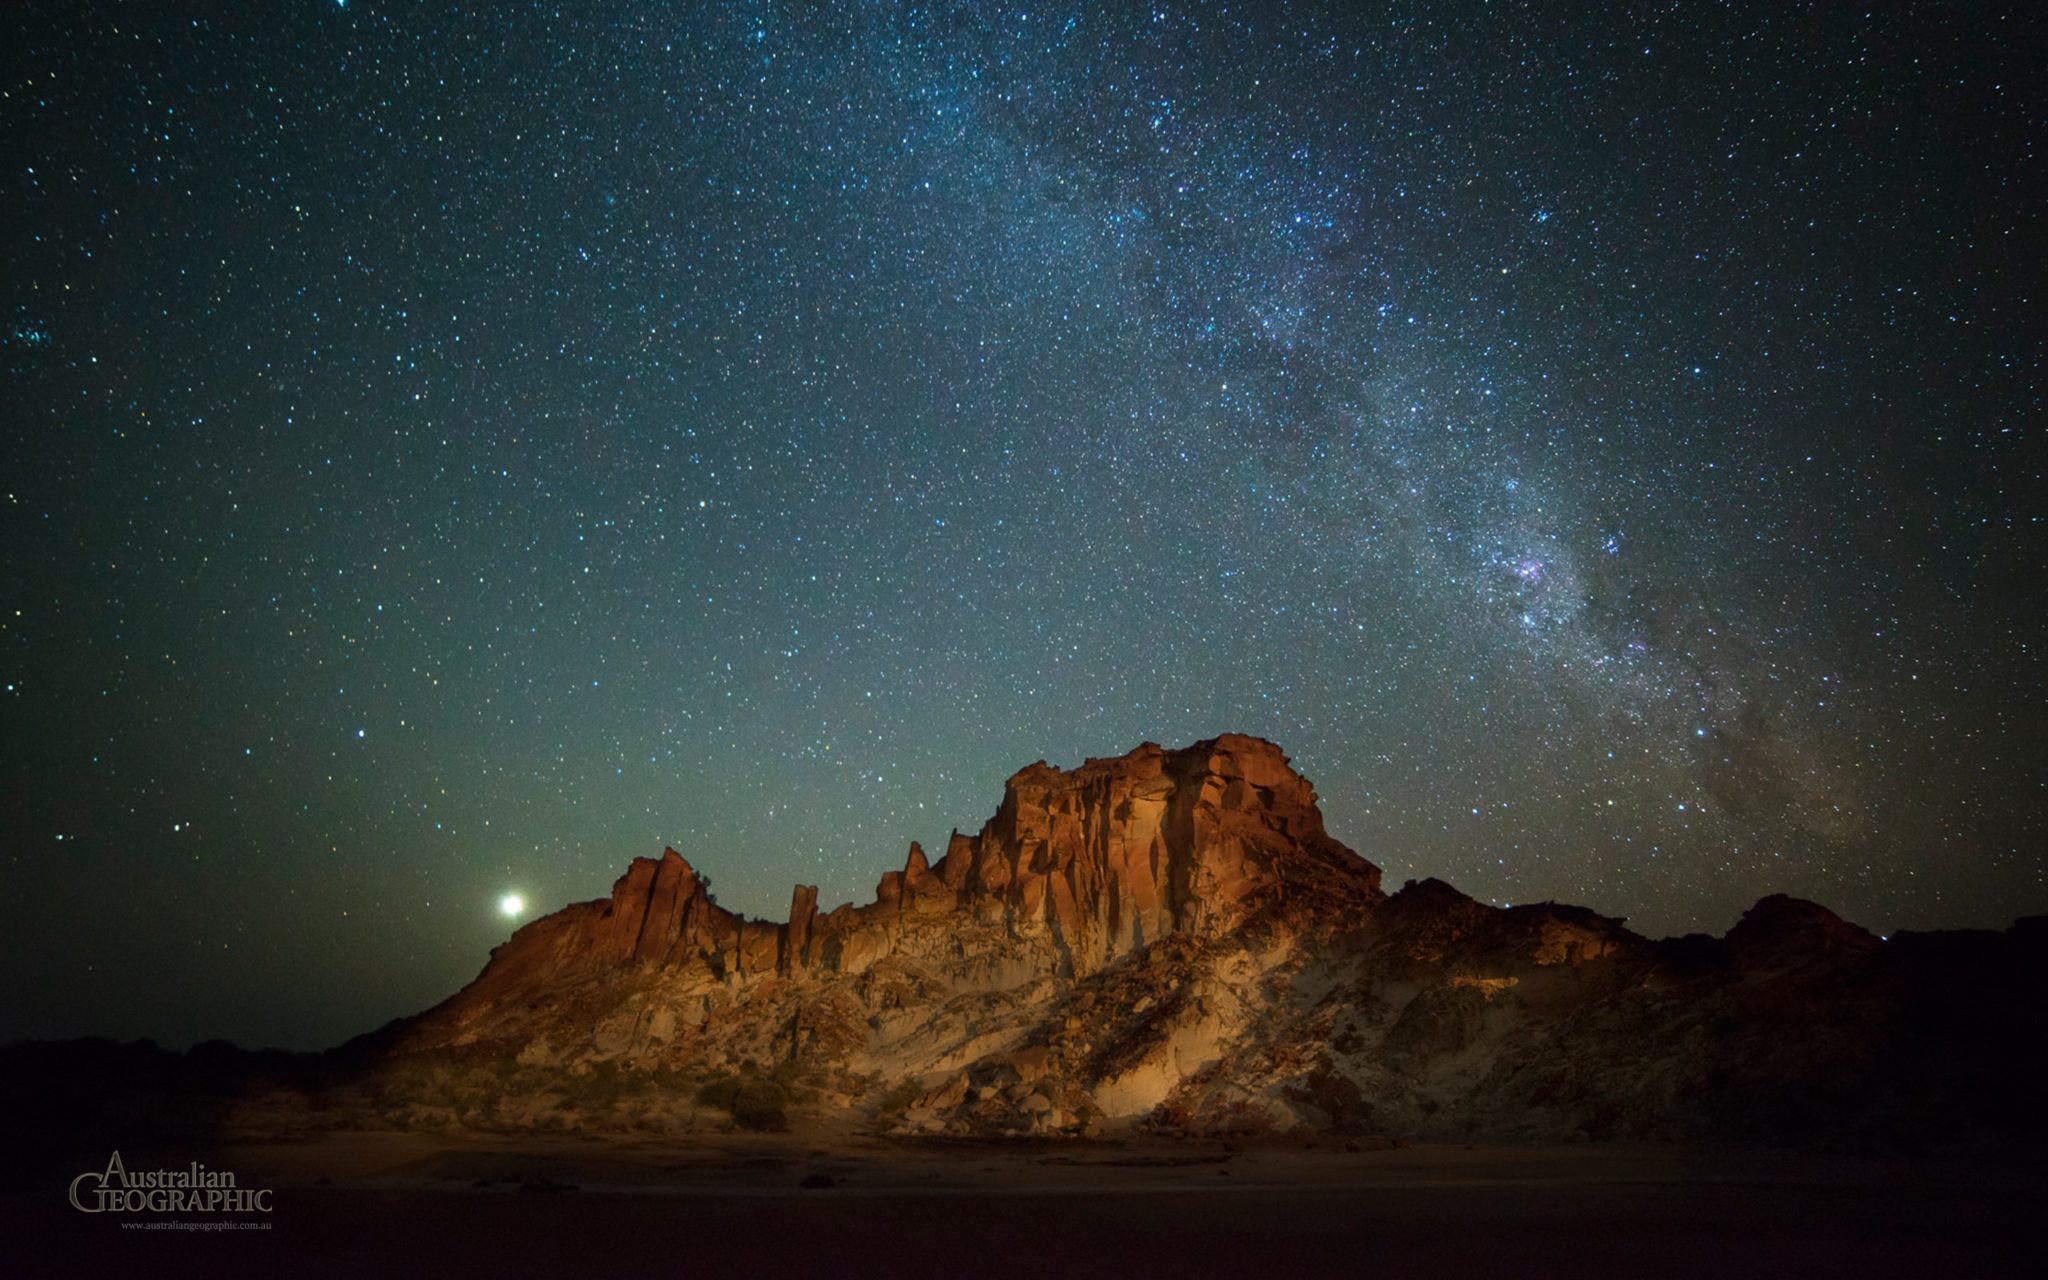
x: 1095, y: 863
x: 1170, y: 938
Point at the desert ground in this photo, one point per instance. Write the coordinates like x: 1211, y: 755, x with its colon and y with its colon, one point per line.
x: 382, y: 1203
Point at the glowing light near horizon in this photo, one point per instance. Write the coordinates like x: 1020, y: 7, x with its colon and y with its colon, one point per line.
x: 512, y: 906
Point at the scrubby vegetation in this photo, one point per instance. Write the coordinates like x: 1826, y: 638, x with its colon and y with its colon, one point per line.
x: 449, y: 1092
x: 897, y: 1097
x: 454, y: 1091
x: 759, y: 1099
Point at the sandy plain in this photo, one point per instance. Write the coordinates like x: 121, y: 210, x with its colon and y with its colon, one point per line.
x: 378, y: 1203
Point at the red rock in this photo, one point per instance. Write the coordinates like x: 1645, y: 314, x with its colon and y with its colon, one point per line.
x: 796, y: 940
x: 1173, y: 935
x: 1099, y: 862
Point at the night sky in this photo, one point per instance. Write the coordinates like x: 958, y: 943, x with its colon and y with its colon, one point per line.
x: 455, y: 450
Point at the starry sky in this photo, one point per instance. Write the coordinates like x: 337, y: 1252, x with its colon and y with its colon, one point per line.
x: 453, y: 450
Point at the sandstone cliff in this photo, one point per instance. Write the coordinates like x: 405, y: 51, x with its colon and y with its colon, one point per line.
x: 1170, y: 939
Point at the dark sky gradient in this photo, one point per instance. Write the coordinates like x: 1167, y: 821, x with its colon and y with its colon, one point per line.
x: 459, y: 449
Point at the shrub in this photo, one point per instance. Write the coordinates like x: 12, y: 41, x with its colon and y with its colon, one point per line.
x: 899, y: 1096
x: 759, y: 1106
x: 754, y: 1102
x: 601, y: 1089
x: 719, y: 1091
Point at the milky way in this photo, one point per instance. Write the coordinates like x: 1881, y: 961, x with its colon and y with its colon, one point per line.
x: 452, y: 451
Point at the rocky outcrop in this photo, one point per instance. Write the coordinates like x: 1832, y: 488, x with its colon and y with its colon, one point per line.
x: 1079, y: 868
x: 1170, y: 939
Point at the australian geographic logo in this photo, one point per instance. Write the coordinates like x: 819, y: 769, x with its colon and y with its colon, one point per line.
x: 196, y: 1189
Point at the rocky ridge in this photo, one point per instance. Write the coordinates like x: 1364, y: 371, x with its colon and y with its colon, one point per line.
x: 1169, y: 939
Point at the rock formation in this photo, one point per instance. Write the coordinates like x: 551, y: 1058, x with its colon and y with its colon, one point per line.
x: 1170, y: 939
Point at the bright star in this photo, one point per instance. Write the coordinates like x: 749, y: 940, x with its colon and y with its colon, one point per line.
x: 512, y: 906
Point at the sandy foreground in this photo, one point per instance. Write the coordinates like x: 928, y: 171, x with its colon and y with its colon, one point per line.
x: 369, y: 1204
